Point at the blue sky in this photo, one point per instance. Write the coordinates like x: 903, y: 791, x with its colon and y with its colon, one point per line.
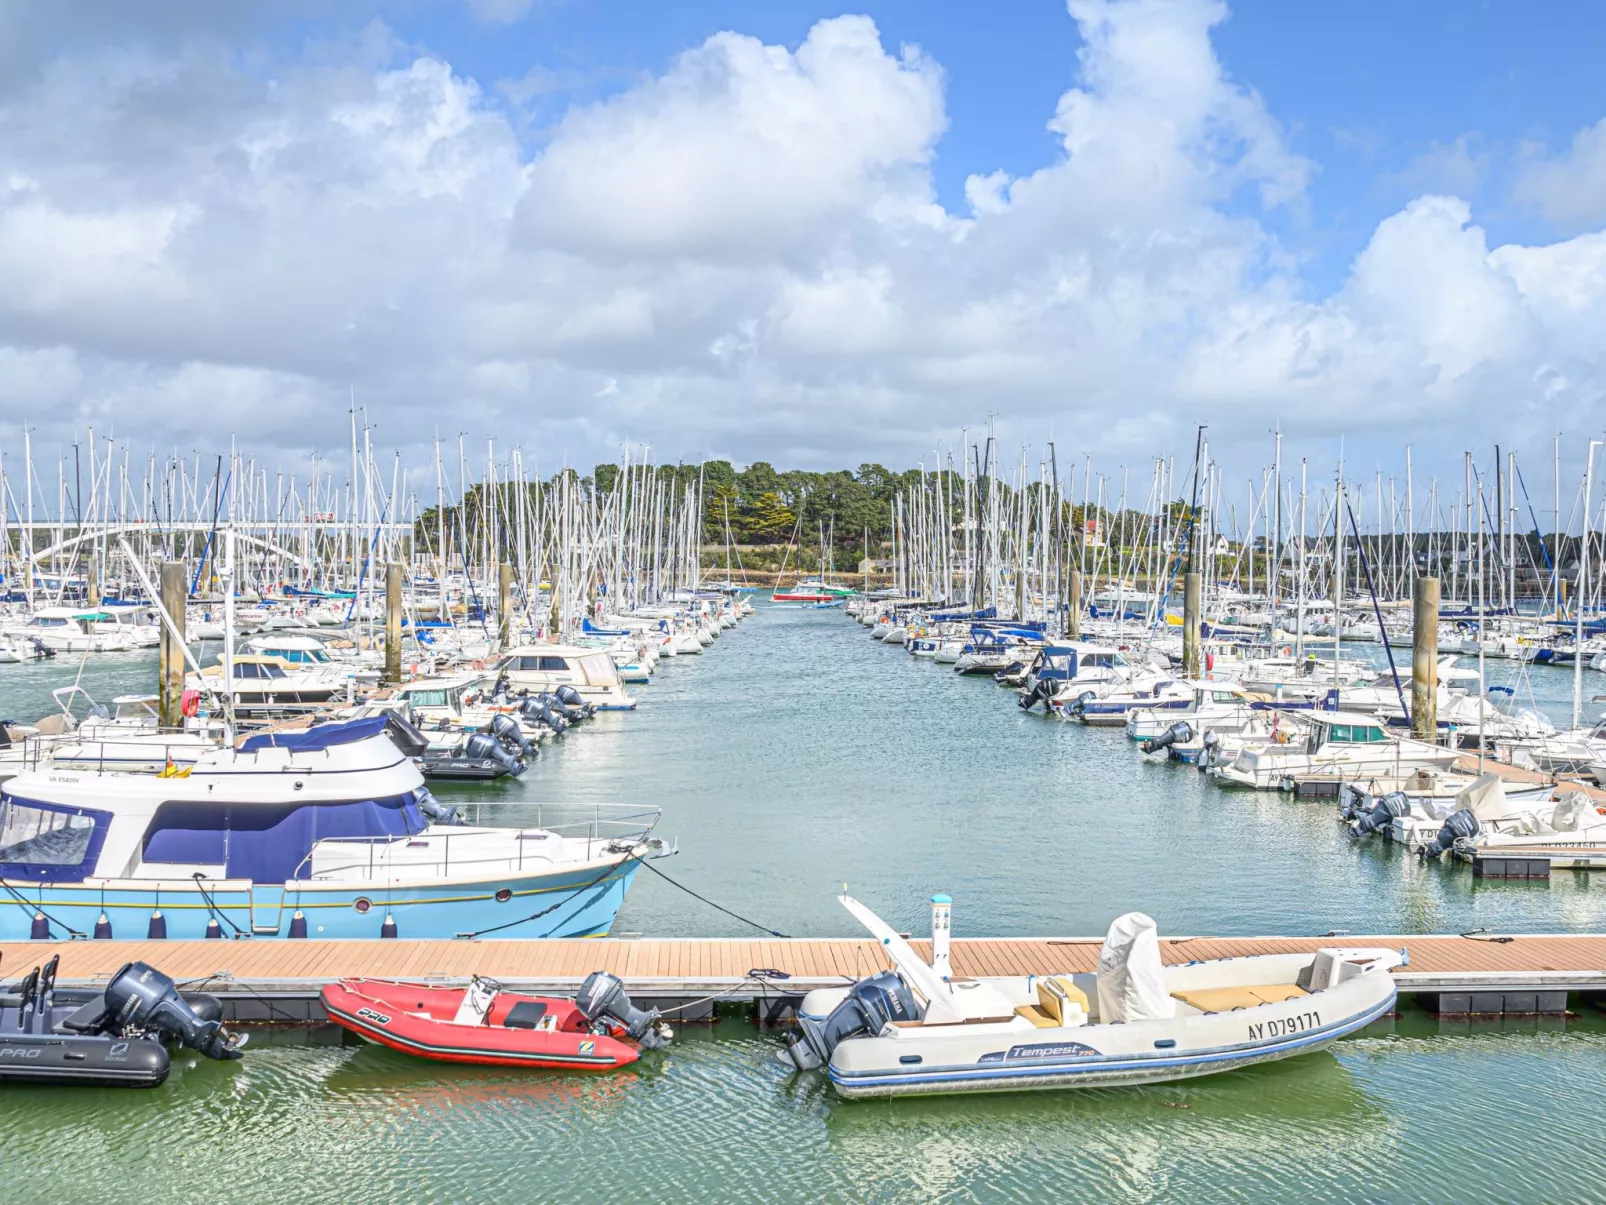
x: 708, y: 226
x: 1378, y: 94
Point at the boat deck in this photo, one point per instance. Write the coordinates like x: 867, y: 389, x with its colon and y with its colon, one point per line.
x: 280, y: 979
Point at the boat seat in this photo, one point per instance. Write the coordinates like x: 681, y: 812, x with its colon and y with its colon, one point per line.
x: 526, y: 1014
x: 87, y: 1019
x: 1058, y: 1000
x: 1230, y: 999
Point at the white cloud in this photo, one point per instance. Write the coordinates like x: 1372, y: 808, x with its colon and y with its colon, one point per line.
x: 743, y: 255
x: 1571, y: 189
x: 742, y: 149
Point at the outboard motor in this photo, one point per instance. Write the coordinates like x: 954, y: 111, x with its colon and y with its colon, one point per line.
x: 405, y: 735
x: 435, y: 810
x: 570, y: 714
x: 871, y: 1006
x: 1212, y: 748
x: 1456, y: 824
x: 537, y: 710
x: 506, y: 729
x: 570, y: 697
x: 484, y: 746
x: 141, y: 998
x: 1180, y: 731
x: 1387, y: 809
x: 604, y: 1001
x: 1353, y: 803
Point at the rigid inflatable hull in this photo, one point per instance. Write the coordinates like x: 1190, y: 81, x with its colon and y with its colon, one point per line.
x: 390, y: 1015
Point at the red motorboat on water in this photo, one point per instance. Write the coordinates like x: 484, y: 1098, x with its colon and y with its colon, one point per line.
x: 484, y: 1024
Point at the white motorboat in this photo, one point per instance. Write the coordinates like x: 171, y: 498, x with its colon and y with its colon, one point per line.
x: 920, y: 1029
x: 1487, y: 818
x: 1339, y: 744
x: 545, y: 667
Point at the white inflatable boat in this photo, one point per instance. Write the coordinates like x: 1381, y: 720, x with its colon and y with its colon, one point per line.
x: 919, y: 1030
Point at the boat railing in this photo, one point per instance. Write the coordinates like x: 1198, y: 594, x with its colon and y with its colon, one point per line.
x: 56, y: 749
x: 603, y: 833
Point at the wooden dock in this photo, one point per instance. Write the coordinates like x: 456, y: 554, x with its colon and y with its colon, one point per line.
x: 280, y: 980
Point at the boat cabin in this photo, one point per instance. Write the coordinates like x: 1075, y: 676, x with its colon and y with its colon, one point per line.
x: 292, y: 650
x: 1331, y: 728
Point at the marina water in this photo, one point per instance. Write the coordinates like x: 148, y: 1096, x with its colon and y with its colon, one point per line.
x: 797, y: 754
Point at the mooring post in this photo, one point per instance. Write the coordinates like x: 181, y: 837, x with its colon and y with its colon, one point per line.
x: 1073, y: 603
x: 1425, y: 659
x: 504, y: 605
x: 393, y: 622
x: 170, y: 652
x: 92, y: 584
x: 1192, y: 584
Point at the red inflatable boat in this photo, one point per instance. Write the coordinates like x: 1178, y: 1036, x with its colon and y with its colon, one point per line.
x: 487, y: 1025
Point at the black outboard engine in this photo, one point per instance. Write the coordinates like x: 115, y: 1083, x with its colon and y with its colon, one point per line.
x: 1386, y: 810
x: 537, y: 710
x: 140, y: 998
x: 603, y: 1000
x: 570, y: 714
x: 435, y: 810
x: 484, y: 746
x: 1180, y: 731
x: 405, y: 735
x: 871, y: 1006
x: 506, y: 729
x: 1456, y: 824
x: 1353, y: 803
x: 570, y: 697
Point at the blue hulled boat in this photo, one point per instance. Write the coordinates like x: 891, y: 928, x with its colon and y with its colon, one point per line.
x: 327, y: 832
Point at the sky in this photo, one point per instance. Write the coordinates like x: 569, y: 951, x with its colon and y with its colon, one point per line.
x: 812, y: 235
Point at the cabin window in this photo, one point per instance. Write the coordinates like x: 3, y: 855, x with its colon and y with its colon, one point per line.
x: 427, y: 698
x: 271, y: 671
x: 270, y: 843
x: 1224, y: 696
x: 556, y: 664
x: 1339, y: 733
x: 246, y: 669
x: 43, y: 841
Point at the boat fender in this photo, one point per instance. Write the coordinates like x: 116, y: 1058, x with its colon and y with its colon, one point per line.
x: 40, y: 929
x: 298, y: 924
x: 214, y: 930
x: 157, y: 929
x: 388, y: 929
x: 103, y: 928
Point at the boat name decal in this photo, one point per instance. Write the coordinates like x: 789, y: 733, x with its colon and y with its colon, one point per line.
x: 1281, y: 1026
x: 118, y: 1053
x: 1039, y: 1050
x: 588, y: 1047
x: 377, y: 1018
x: 19, y: 1052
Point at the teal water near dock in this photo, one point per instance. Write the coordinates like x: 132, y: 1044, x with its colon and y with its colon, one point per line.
x: 795, y: 755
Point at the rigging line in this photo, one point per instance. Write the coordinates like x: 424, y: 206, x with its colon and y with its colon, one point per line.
x: 23, y: 903
x: 1377, y: 610
x: 710, y: 903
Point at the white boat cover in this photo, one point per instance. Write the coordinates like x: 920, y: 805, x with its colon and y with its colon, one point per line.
x: 1485, y: 798
x: 1131, y: 983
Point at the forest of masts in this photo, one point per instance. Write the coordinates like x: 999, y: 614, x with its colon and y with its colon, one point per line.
x: 979, y: 535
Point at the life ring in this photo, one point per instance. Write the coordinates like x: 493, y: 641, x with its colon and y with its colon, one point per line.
x: 477, y: 663
x: 189, y: 703
x: 1287, y: 651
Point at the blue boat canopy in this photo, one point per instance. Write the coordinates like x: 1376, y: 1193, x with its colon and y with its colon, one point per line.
x: 324, y: 736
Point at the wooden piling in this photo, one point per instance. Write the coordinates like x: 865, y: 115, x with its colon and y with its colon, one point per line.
x: 1192, y: 590
x: 393, y: 622
x: 1073, y: 603
x: 504, y: 605
x: 1425, y: 659
x: 170, y: 651
x: 92, y: 584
